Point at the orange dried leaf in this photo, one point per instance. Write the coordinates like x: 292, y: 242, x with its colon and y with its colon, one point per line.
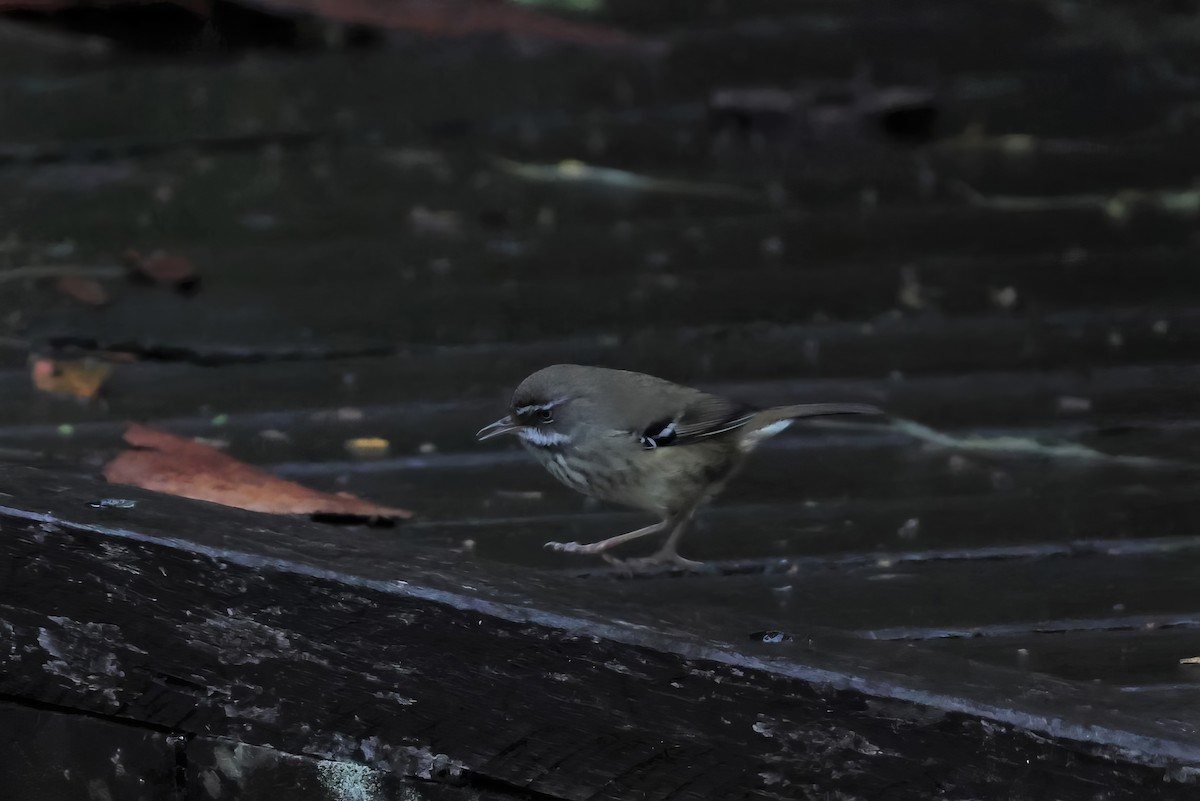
x: 83, y: 289
x: 176, y: 466
x: 81, y: 378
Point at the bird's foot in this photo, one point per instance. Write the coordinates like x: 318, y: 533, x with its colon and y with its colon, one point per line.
x: 577, y: 547
x: 652, y: 563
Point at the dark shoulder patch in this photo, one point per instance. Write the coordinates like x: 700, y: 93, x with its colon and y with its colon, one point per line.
x: 708, y: 416
x: 659, y: 434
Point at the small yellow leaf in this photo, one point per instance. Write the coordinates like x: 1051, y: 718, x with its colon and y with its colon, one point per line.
x: 368, y: 447
x: 81, y: 378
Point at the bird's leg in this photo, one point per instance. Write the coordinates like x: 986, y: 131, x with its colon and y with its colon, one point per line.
x: 611, y: 542
x: 667, y: 554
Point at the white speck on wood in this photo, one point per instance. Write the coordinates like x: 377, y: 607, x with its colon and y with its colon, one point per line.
x: 98, y: 791
x: 765, y: 729
x: 770, y: 778
x: 230, y: 761
x: 395, y: 698
x: 118, y: 766
x: 46, y: 640
x: 262, y: 714
x: 347, y: 781
x: 212, y: 783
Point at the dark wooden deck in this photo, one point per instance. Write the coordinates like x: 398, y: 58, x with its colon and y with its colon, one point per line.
x: 891, y: 618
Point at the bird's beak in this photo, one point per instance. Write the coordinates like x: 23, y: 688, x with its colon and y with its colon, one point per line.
x: 505, y: 425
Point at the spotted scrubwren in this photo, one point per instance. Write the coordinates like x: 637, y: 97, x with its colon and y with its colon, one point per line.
x: 641, y: 441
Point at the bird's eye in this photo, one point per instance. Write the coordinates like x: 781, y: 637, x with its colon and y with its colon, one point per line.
x: 546, y: 415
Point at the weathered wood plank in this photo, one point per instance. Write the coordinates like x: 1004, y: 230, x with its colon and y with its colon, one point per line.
x: 1145, y: 661
x: 54, y: 754
x: 282, y: 635
x: 391, y: 309
x: 1000, y: 370
x: 187, y: 198
x: 828, y: 531
x: 218, y: 769
x: 901, y: 600
x: 264, y: 94
x: 802, y: 496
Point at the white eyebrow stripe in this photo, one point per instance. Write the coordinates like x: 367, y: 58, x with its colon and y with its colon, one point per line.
x: 538, y: 407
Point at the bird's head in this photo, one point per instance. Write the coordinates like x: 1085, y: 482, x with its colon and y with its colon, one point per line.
x: 546, y: 407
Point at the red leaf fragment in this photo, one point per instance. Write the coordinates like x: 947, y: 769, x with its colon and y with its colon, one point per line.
x: 199, y: 7
x: 173, y: 465
x: 83, y: 289
x: 163, y: 268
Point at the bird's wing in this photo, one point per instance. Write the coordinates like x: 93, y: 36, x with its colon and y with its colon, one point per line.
x: 708, y: 415
x: 702, y: 417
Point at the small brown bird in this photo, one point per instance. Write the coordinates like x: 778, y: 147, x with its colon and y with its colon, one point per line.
x: 641, y: 441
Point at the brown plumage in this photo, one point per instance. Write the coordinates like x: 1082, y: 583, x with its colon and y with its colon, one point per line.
x: 641, y: 441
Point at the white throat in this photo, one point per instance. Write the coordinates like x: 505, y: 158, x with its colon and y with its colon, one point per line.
x: 544, y: 439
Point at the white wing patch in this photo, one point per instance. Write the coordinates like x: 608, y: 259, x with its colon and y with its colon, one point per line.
x: 754, y: 437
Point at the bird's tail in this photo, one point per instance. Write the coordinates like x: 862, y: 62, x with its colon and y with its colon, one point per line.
x: 769, y: 422
x: 799, y: 410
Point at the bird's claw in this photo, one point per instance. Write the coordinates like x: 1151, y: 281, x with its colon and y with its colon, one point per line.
x: 570, y: 547
x: 619, y: 564
x: 647, y: 564
x: 644, y: 564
